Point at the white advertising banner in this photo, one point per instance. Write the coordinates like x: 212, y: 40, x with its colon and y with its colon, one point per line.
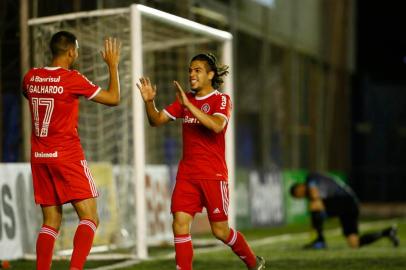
x: 18, y: 213
x: 21, y: 218
x: 158, y: 202
x: 266, y: 195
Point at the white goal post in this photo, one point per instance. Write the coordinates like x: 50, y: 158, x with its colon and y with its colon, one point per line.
x: 155, y: 44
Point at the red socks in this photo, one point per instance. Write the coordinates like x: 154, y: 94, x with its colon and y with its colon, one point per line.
x: 237, y: 242
x: 184, y: 251
x: 82, y: 243
x: 45, y: 247
x: 240, y: 247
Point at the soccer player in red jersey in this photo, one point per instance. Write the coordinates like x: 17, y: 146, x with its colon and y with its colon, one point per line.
x: 202, y: 174
x: 59, y: 170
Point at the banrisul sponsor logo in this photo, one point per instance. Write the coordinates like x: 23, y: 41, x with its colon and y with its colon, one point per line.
x: 45, y: 79
x: 190, y: 120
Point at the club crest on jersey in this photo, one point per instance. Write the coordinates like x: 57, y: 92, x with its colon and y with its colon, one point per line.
x: 205, y: 108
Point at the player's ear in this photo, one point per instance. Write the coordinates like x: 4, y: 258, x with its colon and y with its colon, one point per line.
x: 72, y: 52
x: 211, y: 75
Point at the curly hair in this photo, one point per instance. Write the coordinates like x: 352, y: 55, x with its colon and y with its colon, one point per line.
x: 219, y: 70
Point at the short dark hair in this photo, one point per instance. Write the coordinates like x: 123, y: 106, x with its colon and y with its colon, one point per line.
x: 61, y: 41
x: 219, y: 70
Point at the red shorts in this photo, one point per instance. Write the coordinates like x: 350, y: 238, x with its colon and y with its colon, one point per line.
x: 190, y: 196
x: 59, y: 183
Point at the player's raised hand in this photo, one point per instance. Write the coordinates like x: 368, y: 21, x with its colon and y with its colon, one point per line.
x: 111, y: 52
x: 181, y: 95
x: 148, y: 92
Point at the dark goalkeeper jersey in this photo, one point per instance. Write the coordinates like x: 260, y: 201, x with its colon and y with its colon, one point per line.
x: 337, y: 196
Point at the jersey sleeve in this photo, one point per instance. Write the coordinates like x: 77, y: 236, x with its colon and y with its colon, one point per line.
x: 83, y: 86
x: 174, y: 110
x: 223, y: 107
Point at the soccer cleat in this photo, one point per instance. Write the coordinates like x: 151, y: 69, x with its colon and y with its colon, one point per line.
x: 393, y: 235
x: 316, y: 244
x: 260, y: 264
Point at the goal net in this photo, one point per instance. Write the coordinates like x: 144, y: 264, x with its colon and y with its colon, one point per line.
x: 134, y: 204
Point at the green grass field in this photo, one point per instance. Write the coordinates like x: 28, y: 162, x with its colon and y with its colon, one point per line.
x: 281, y: 247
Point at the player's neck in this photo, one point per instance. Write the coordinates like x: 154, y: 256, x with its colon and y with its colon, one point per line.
x: 205, y: 91
x: 59, y: 62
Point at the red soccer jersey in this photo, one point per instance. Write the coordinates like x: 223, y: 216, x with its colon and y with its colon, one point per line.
x: 53, y: 96
x: 203, y: 149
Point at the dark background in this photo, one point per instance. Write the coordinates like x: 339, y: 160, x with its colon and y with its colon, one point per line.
x: 379, y: 102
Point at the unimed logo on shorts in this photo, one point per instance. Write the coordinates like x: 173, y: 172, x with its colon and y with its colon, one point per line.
x: 46, y: 155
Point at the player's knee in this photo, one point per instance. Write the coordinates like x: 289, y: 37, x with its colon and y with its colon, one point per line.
x: 220, y: 232
x: 92, y: 217
x: 180, y: 227
x: 53, y: 223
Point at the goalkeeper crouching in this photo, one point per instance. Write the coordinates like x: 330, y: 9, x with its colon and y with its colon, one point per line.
x: 330, y: 198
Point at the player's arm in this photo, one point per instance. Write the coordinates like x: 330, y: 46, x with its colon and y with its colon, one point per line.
x: 25, y: 94
x: 316, y: 203
x: 148, y: 93
x: 215, y: 123
x: 111, y: 55
x: 24, y: 86
x: 317, y: 209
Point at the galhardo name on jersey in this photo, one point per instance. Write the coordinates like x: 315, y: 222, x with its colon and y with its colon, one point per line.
x: 45, y: 89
